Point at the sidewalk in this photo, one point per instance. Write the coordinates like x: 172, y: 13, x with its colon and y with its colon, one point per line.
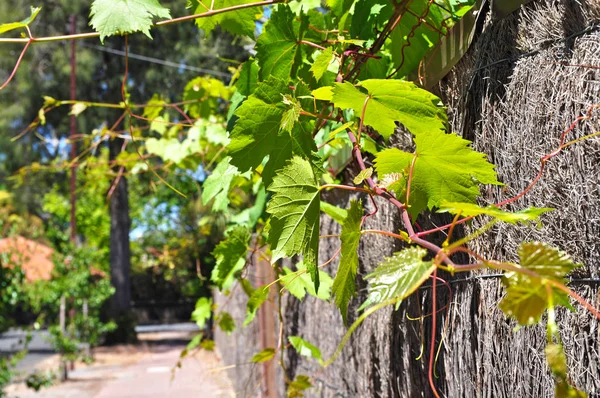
x: 143, y: 371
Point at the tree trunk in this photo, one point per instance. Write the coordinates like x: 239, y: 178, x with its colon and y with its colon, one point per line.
x: 120, y: 255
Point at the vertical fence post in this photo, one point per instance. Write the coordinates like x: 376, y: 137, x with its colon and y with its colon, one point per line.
x: 266, y: 318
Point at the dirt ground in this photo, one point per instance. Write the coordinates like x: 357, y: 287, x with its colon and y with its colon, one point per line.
x: 144, y: 370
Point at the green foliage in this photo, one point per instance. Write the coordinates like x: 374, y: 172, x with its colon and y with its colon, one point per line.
x: 5, y: 27
x: 258, y: 133
x: 110, y: 17
x: 203, y: 96
x: 263, y: 356
x: 305, y: 348
x: 297, y: 387
x: 39, y: 379
x: 256, y: 299
x: 524, y: 216
x: 334, y: 212
x: 294, y: 210
x: 391, y: 101
x: 12, y: 280
x: 216, y: 186
x: 344, y: 284
x: 278, y: 49
x: 230, y: 255
x: 226, y: 322
x: 8, y: 366
x: 528, y: 295
x: 319, y: 67
x: 238, y: 22
x: 398, y: 276
x: 318, y: 94
x: 445, y: 169
x: 202, y: 312
x: 299, y: 283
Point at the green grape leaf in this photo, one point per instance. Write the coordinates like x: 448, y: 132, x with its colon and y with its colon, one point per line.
x: 170, y: 150
x: 369, y: 17
x: 297, y: 387
x: 206, y: 93
x: 211, y: 129
x: 557, y: 361
x: 110, y: 17
x: 155, y: 107
x: 250, y: 216
x: 363, y: 175
x: 299, y: 143
x: 230, y: 255
x: 216, y: 185
x: 237, y: 22
x: 294, y: 210
x: 5, y: 27
x: 278, y: 51
x: 265, y: 355
x: 202, y: 312
x: 324, y: 93
x: 446, y: 169
x: 527, y: 300
x: 545, y: 260
x: 344, y: 284
x: 339, y: 7
x: 299, y: 283
x: 398, y: 276
x: 470, y: 210
x: 303, y: 5
x: 305, y: 348
x: 336, y: 213
x: 194, y: 342
x: 248, y: 78
x: 256, y: 299
x: 319, y: 67
x: 291, y: 114
x: 565, y: 390
x: 207, y: 344
x: 257, y: 132
x: 528, y: 296
x: 226, y: 322
x: 390, y: 101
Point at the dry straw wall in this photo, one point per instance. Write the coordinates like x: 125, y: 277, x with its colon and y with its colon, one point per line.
x: 523, y: 82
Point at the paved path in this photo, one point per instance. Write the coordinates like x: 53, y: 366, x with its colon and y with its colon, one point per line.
x: 143, y: 371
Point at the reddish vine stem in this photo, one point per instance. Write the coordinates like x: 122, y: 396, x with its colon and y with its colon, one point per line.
x: 311, y: 44
x: 433, y: 330
x: 546, y: 158
x: 19, y: 60
x: 344, y: 187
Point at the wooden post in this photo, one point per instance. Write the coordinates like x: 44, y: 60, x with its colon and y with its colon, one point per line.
x: 266, y: 318
x: 62, y: 324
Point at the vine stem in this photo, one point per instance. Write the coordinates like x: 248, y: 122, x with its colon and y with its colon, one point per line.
x: 386, y: 233
x: 433, y: 333
x: 88, y: 35
x: 19, y: 60
x: 344, y: 187
x: 310, y: 43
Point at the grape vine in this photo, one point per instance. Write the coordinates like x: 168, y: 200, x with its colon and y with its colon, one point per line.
x: 329, y: 84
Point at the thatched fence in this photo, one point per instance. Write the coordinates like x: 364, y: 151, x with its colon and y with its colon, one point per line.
x: 523, y: 82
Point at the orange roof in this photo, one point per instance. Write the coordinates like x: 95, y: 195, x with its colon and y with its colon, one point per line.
x: 34, y: 258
